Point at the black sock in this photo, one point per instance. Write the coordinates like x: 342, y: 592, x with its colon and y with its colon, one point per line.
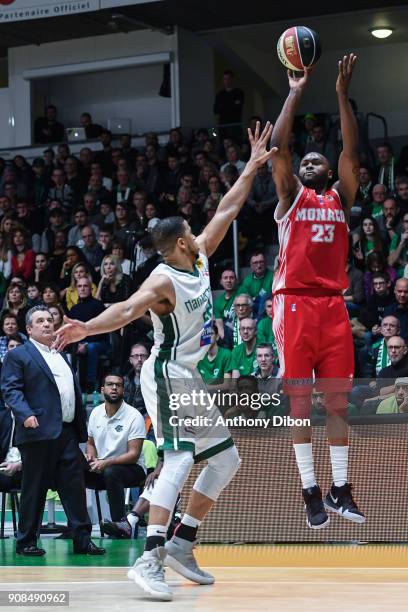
x: 186, y: 532
x: 153, y: 542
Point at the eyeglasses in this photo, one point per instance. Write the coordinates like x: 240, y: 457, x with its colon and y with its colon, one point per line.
x: 241, y: 305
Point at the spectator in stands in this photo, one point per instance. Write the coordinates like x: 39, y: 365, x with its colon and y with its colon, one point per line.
x: 379, y: 195
x: 60, y: 190
x: 50, y: 295
x: 49, y: 158
x: 92, y: 130
x: 80, y: 270
x: 55, y: 224
x: 90, y: 204
x: 372, y: 313
x: 389, y: 220
x: 321, y: 144
x: 47, y: 128
x: 123, y: 192
x: 104, y: 157
x: 41, y: 182
x: 114, y: 286
x: 118, y: 251
x: 214, y: 366
x: 31, y: 223
x: 215, y: 194
x: 126, y: 149
x: 42, y: 272
x: 243, y: 358
x: 57, y: 255
x: 132, y: 391
x: 228, y: 105
x: 138, y: 210
x: 151, y: 259
x: 108, y: 216
x: 105, y: 238
x: 264, y: 332
x: 263, y: 200
x: 243, y: 304
x: 354, y: 294
x: 92, y: 346
x: 74, y: 179
x: 374, y: 356
x: 266, y: 364
x: 75, y: 233
x: 5, y: 264
x: 171, y: 177
x: 224, y: 304
x: 73, y: 255
x: 402, y: 193
x: 232, y: 155
x: 398, y: 403
x: 367, y: 241
x: 22, y: 260
x: 33, y: 294
x: 386, y: 167
x: 258, y: 284
x: 400, y: 309
x: 116, y: 432
x: 10, y: 191
x: 398, y: 256
x: 376, y: 263
x: 57, y: 315
x: 365, y: 190
x: 86, y: 158
x: 15, y: 302
x: 9, y: 329
x: 91, y: 249
x: 123, y: 226
x: 6, y: 208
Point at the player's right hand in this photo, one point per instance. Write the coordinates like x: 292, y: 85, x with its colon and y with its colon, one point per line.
x: 31, y: 423
x: 297, y: 83
x: 72, y: 331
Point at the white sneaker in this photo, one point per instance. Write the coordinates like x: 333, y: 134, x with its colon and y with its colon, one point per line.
x: 180, y: 558
x: 148, y: 574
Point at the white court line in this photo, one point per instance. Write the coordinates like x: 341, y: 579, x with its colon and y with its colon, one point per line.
x: 179, y: 583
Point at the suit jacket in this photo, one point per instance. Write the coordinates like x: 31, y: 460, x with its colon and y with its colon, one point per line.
x: 29, y: 388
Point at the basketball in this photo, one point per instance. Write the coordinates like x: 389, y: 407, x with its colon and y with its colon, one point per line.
x: 298, y: 48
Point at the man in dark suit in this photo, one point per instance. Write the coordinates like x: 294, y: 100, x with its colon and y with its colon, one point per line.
x: 44, y: 396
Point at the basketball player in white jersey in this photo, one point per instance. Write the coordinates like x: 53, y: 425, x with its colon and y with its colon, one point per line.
x: 178, y: 295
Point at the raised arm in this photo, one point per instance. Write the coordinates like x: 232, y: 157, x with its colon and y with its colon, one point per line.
x: 287, y: 184
x: 236, y: 197
x: 349, y: 166
x: 156, y: 288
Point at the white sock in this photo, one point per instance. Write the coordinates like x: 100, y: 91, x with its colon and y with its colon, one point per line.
x: 339, y: 462
x: 132, y: 519
x: 304, y: 460
x: 156, y: 530
x: 190, y: 521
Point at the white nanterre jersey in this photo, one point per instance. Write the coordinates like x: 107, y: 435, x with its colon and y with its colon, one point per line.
x: 184, y: 335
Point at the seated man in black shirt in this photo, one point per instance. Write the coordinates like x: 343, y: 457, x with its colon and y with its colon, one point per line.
x: 48, y: 129
x: 92, y: 346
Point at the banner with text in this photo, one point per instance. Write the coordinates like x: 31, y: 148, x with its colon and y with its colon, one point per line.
x: 21, y: 10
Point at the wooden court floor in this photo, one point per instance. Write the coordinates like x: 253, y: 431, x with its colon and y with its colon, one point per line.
x: 279, y: 578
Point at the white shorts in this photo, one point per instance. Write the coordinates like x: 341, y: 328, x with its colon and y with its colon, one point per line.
x: 162, y: 382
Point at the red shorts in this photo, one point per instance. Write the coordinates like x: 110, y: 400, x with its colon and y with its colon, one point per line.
x: 314, y: 341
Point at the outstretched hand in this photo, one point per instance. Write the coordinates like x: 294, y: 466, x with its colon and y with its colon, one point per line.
x: 259, y: 142
x: 346, y: 67
x: 72, y: 331
x: 299, y: 82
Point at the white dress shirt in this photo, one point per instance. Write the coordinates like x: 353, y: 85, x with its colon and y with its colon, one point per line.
x: 63, y: 379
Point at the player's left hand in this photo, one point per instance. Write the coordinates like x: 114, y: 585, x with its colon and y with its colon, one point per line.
x: 259, y: 142
x: 346, y: 67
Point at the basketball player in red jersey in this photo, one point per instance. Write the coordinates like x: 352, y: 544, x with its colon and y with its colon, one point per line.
x: 310, y: 324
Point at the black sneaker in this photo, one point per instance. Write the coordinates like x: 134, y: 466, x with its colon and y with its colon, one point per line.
x: 316, y: 514
x: 121, y: 529
x: 340, y: 500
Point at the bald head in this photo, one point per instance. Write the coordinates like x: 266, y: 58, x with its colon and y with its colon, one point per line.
x: 401, y: 292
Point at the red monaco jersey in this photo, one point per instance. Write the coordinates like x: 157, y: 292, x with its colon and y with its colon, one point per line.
x: 313, y: 243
